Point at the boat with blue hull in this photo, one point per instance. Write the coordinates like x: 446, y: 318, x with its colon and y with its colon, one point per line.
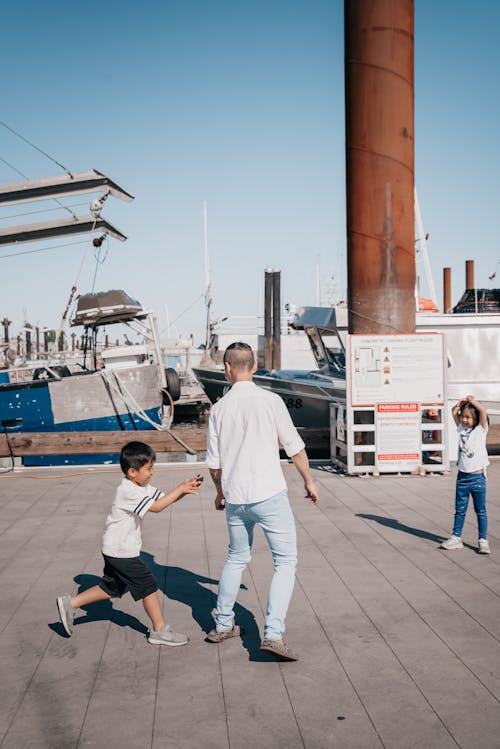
x: 127, y: 392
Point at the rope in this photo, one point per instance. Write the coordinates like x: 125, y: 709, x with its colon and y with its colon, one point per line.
x: 132, y: 405
x: 171, y: 403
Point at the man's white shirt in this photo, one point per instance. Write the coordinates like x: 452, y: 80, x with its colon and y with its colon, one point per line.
x: 244, y: 431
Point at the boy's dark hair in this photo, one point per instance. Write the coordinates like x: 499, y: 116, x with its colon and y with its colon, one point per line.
x: 239, y: 355
x: 135, y: 455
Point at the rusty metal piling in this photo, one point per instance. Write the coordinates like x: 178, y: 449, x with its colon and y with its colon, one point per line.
x: 379, y: 84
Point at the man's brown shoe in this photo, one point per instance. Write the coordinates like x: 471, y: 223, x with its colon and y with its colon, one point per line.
x: 279, y: 648
x: 219, y: 635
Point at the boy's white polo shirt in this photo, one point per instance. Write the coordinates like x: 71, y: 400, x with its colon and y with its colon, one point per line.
x: 122, y: 532
x: 244, y: 431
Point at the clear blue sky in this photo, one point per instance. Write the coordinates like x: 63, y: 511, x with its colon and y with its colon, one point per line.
x: 240, y: 104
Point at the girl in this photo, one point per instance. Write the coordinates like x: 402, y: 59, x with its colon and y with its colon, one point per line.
x: 471, y: 419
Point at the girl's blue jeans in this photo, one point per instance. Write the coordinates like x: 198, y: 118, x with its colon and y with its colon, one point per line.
x: 470, y: 484
x: 275, y: 517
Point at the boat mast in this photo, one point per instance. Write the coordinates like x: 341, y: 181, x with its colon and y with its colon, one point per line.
x: 208, y: 285
x: 425, y: 254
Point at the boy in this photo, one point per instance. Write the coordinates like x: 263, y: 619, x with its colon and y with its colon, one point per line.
x: 121, y: 544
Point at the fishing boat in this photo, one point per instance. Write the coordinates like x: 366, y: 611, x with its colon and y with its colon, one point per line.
x: 472, y: 343
x: 125, y: 389
x: 306, y: 393
x: 96, y: 388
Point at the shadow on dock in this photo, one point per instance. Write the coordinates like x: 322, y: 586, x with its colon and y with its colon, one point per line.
x: 178, y: 584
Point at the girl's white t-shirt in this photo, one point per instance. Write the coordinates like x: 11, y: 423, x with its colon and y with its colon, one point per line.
x: 472, y: 453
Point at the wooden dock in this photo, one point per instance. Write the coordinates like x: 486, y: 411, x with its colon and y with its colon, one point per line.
x: 399, y: 641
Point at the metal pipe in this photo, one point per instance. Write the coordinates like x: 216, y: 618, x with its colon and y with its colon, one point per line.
x: 268, y: 344
x: 380, y: 165
x: 277, y: 319
x: 446, y: 290
x: 6, y: 323
x: 469, y: 274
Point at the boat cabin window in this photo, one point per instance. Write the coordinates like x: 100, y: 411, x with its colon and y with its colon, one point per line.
x: 327, y: 350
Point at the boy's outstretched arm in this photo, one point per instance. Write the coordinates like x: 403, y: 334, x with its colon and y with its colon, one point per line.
x: 190, y: 486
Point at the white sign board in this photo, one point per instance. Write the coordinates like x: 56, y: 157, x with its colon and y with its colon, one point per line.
x: 398, y: 436
x: 396, y: 368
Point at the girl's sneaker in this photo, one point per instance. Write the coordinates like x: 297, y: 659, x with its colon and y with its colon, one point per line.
x: 484, y: 547
x: 452, y: 543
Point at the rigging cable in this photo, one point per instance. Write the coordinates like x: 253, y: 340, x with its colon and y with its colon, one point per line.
x: 43, y: 210
x: 45, y: 154
x: 36, y: 148
x: 42, y: 249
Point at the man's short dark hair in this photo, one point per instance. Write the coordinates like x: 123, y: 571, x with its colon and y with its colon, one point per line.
x: 239, y: 355
x: 135, y: 455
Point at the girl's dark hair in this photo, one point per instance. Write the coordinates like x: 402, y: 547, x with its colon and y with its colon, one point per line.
x: 473, y: 410
x: 135, y: 455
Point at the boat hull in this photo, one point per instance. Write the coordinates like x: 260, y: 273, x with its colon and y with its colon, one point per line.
x: 83, y: 402
x: 307, y: 395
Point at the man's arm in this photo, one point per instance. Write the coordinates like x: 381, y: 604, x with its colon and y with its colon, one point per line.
x: 216, y: 474
x: 301, y: 463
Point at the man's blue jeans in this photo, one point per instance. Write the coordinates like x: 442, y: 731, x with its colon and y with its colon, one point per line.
x: 470, y: 484
x: 275, y: 517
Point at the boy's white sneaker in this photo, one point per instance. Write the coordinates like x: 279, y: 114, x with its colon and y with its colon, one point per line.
x: 484, y: 547
x: 167, y: 636
x: 452, y: 543
x: 66, y: 613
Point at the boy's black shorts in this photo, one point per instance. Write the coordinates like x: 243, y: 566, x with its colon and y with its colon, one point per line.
x: 130, y: 572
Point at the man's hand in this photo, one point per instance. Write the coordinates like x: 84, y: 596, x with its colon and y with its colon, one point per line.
x: 312, y: 492
x: 220, y: 502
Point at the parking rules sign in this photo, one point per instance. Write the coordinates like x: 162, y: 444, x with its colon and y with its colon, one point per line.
x: 398, y: 436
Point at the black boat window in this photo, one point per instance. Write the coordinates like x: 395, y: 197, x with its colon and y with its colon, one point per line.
x: 327, y: 350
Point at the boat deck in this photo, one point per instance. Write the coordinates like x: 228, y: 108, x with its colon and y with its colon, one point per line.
x: 399, y: 641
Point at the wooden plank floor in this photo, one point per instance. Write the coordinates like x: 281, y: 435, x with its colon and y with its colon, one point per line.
x: 399, y: 641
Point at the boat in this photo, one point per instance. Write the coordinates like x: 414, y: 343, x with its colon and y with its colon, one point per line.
x: 306, y: 393
x: 126, y: 389
x: 472, y: 343
x: 96, y: 388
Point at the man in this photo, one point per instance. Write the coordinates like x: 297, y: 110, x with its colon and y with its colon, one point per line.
x: 244, y: 430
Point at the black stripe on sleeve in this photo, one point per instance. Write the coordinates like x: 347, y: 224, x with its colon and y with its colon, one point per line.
x: 142, y: 504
